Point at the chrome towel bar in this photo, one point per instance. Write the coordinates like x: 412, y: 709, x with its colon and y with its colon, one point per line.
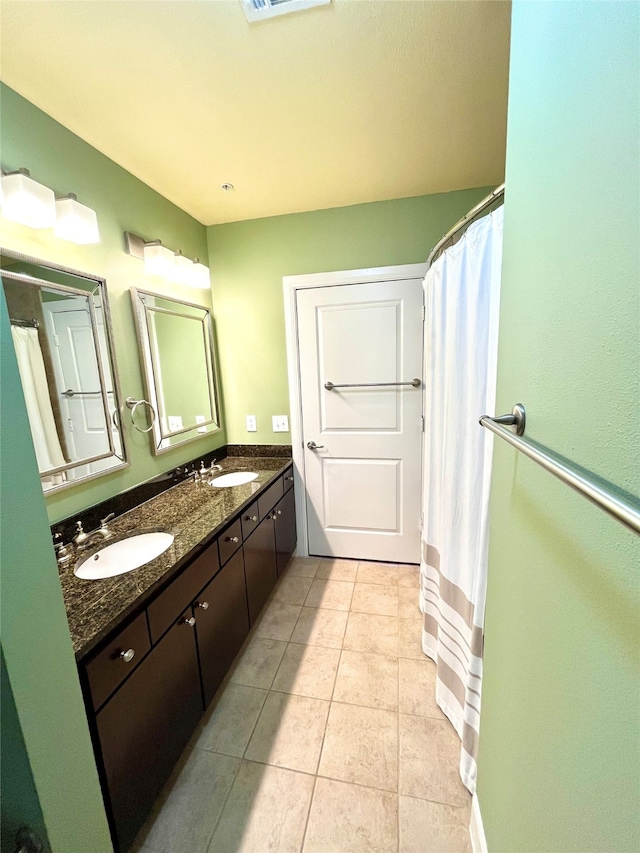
x: 624, y: 511
x: 415, y: 383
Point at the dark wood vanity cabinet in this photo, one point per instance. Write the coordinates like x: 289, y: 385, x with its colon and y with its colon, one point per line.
x: 145, y: 726
x: 285, y: 522
x: 260, y: 565
x: 222, y: 623
x: 144, y: 707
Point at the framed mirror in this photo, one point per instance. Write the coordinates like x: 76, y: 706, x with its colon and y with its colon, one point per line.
x: 61, y: 330
x: 177, y: 352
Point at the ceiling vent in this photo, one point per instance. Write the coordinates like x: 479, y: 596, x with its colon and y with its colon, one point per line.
x: 258, y: 10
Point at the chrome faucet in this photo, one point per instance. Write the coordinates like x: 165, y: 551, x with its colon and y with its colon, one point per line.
x: 84, y: 540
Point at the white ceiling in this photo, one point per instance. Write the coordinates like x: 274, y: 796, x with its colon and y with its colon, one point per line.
x: 357, y: 101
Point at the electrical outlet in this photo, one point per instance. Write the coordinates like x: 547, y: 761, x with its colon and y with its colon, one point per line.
x: 200, y: 419
x: 175, y: 423
x: 280, y: 423
x: 251, y: 423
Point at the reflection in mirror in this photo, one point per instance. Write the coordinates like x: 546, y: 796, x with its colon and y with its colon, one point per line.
x: 61, y: 334
x: 177, y: 350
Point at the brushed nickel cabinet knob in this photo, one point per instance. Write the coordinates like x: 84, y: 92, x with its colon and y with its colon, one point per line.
x: 191, y: 622
x: 203, y: 605
x: 251, y: 518
x: 232, y: 539
x: 128, y: 655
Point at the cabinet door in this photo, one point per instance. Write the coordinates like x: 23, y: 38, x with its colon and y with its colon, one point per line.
x: 146, y: 725
x: 222, y: 623
x: 285, y: 530
x: 260, y: 565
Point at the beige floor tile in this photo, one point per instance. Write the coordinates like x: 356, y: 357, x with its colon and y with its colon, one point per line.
x: 361, y: 746
x: 277, y: 621
x: 429, y: 759
x: 332, y: 595
x: 307, y: 671
x: 319, y: 627
x: 227, y: 728
x: 409, y: 576
x: 191, y: 808
x: 338, y: 570
x: 289, y: 732
x: 258, y: 663
x: 384, y: 573
x: 434, y: 827
x: 409, y: 603
x: 302, y: 567
x: 375, y: 598
x: 266, y: 811
x: 292, y: 589
x: 417, y: 686
x: 366, y: 679
x: 369, y: 633
x: 410, y: 638
x: 351, y: 819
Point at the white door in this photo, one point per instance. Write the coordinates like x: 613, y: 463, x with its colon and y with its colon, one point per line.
x: 363, y: 478
x: 76, y: 369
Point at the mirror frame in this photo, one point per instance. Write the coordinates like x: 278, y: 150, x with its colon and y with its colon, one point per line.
x: 101, y: 285
x: 148, y: 366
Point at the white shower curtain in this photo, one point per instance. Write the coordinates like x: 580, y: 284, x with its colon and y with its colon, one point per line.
x: 462, y: 293
x: 36, y: 396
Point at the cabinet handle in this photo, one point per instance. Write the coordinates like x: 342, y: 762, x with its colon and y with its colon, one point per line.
x: 288, y: 478
x: 278, y: 512
x: 203, y: 605
x: 251, y: 518
x: 191, y: 622
x: 128, y: 655
x: 232, y: 539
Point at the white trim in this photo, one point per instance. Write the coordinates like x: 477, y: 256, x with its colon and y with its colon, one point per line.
x: 476, y: 828
x: 291, y: 284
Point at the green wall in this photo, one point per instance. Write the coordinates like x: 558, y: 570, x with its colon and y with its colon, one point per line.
x: 40, y: 665
x: 559, y: 764
x: 249, y: 259
x: 65, y: 163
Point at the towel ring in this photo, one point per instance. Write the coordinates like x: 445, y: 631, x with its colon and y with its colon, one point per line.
x: 133, y: 404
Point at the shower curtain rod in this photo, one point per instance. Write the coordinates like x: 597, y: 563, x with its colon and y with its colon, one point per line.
x: 466, y: 220
x: 25, y: 324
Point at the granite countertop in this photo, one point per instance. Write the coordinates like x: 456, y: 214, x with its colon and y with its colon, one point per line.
x: 193, y: 512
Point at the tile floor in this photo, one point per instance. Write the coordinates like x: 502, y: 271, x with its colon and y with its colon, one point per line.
x: 325, y: 737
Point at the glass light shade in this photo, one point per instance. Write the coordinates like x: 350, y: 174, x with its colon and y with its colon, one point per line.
x: 76, y: 222
x: 27, y: 202
x: 158, y: 260
x: 182, y: 269
x: 200, y: 276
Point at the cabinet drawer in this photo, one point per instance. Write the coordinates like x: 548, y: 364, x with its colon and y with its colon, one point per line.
x: 250, y: 519
x: 270, y: 498
x: 181, y: 592
x: 230, y: 541
x: 115, y: 662
x: 287, y: 479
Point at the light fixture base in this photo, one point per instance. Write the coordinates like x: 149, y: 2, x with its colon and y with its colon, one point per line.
x: 134, y: 245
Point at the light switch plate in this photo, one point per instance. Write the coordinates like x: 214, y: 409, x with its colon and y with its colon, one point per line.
x: 175, y: 422
x: 280, y: 423
x: 251, y: 423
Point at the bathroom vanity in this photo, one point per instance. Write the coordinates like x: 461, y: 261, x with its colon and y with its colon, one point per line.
x: 154, y: 645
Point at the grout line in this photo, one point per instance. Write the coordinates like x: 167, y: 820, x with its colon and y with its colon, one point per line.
x: 306, y: 823
x: 224, y: 805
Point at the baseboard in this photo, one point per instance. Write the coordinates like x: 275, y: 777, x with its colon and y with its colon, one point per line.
x: 476, y: 829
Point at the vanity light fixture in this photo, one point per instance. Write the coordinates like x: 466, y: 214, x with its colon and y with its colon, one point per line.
x: 75, y: 222
x: 158, y: 260
x: 162, y: 261
x: 27, y: 202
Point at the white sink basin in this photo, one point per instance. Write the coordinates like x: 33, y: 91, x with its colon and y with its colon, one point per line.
x: 238, y: 478
x: 124, y: 556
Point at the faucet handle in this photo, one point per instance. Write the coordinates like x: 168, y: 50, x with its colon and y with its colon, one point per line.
x: 103, y: 521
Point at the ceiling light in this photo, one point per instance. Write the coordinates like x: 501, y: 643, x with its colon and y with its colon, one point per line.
x: 27, y: 202
x: 158, y: 260
x: 200, y: 276
x: 257, y: 10
x: 75, y: 222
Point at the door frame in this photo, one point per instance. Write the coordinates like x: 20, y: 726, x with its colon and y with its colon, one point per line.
x: 290, y: 285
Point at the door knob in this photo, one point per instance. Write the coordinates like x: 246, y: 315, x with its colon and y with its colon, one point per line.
x: 313, y: 446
